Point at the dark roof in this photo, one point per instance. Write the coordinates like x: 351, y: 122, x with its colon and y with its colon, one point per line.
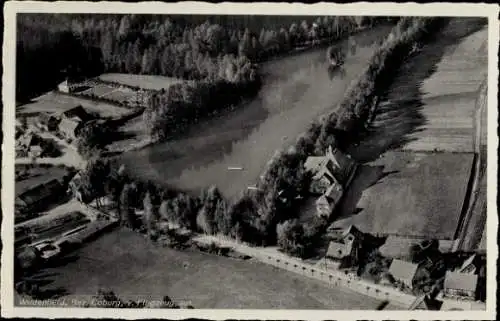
x: 77, y: 112
x: 460, y: 281
x: 340, y: 165
x: 40, y: 192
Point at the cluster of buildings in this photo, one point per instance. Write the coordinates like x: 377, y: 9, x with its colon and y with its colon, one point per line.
x: 29, y: 144
x: 462, y: 283
x: 67, y: 123
x: 332, y: 173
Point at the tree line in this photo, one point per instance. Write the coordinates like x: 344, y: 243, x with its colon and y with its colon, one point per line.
x: 51, y: 46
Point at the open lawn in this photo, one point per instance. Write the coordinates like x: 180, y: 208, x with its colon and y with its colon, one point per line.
x: 134, y: 268
x: 409, y: 194
x: 141, y: 81
x: 54, y: 102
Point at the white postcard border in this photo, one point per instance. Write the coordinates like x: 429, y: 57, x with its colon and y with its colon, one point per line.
x: 361, y: 8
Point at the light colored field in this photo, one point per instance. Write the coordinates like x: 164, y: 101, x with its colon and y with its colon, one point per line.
x: 54, y: 102
x: 421, y: 195
x: 449, y: 95
x: 296, y: 89
x: 127, y: 263
x: 142, y: 81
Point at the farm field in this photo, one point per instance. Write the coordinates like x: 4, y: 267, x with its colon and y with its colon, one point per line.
x: 54, y: 102
x: 142, y: 81
x: 133, y: 268
x: 425, y: 191
x: 296, y: 89
x: 432, y: 101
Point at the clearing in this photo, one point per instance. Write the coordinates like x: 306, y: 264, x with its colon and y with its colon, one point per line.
x: 424, y: 191
x: 296, y: 90
x: 141, y: 81
x: 130, y: 265
x: 55, y: 102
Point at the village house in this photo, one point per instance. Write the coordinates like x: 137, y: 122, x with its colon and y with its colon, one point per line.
x: 69, y: 128
x: 48, y: 122
x: 39, y: 197
x: 67, y: 86
x: 331, y: 174
x: 403, y: 272
x: 344, y: 252
x: 460, y: 285
x: 29, y: 144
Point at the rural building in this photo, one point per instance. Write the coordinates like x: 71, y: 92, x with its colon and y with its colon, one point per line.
x: 331, y: 174
x: 39, y: 197
x: 327, y: 202
x: 48, y: 121
x: 67, y: 86
x: 29, y: 143
x: 69, y: 128
x: 77, y: 113
x: 345, y: 251
x: 403, y: 272
x: 35, y: 151
x: 460, y: 285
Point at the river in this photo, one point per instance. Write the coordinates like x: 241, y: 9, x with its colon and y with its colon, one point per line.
x: 297, y: 88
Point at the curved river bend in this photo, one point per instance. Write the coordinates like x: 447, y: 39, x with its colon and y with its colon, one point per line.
x: 296, y: 89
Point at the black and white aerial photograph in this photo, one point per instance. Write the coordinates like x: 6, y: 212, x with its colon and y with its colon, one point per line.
x: 230, y: 161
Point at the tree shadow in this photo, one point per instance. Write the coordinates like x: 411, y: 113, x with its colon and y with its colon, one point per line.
x: 365, y: 177
x: 399, y: 113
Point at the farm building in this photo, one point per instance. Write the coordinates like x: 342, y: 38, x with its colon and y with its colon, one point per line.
x: 460, y: 285
x: 77, y: 113
x: 69, y: 128
x: 332, y: 173
x: 29, y: 143
x: 334, y: 165
x: 39, y: 197
x: 403, y: 272
x: 327, y: 202
x: 344, y: 252
x: 67, y: 86
x: 48, y: 121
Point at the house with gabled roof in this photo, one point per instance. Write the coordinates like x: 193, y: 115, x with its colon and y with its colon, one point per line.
x: 38, y: 197
x: 327, y: 202
x: 345, y: 251
x: 460, y: 285
x: 332, y: 173
x: 69, y: 128
x: 403, y: 272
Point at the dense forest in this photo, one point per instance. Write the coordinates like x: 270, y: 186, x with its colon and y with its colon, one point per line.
x: 53, y: 46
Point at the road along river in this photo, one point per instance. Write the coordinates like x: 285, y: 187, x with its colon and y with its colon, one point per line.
x: 296, y: 89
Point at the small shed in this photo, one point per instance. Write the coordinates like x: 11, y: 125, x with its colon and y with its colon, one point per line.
x: 461, y: 285
x: 403, y: 272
